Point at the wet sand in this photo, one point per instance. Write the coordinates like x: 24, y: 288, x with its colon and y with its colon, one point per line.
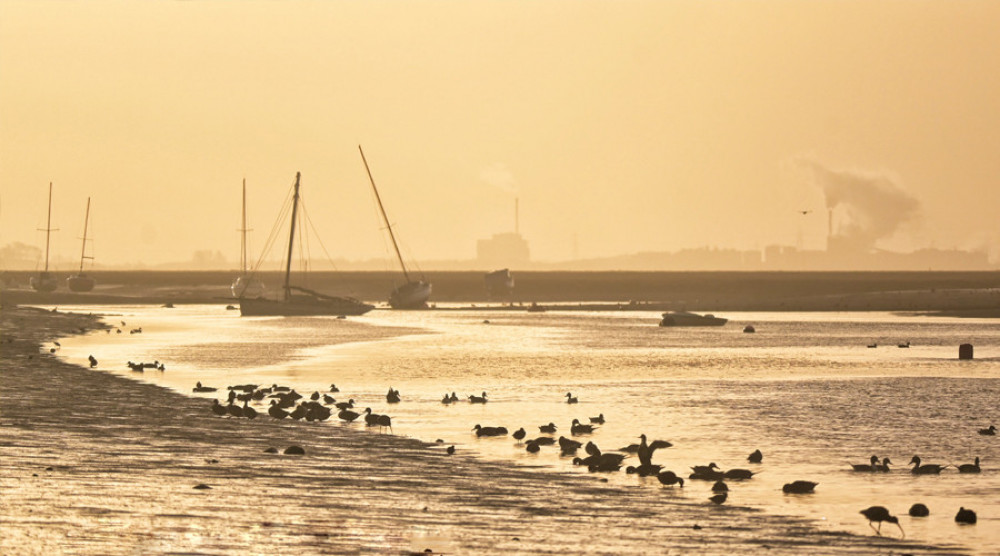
x: 93, y: 463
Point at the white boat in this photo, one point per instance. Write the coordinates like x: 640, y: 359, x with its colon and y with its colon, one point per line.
x: 304, y: 302
x: 684, y: 318
x: 414, y: 293
x: 80, y: 282
x: 45, y: 282
x: 245, y: 285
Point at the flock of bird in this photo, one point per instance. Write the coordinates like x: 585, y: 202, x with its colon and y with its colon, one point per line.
x: 285, y: 403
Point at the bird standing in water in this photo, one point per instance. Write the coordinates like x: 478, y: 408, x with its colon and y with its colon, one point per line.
x: 880, y: 514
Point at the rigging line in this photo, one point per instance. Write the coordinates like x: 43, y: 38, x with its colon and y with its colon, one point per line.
x: 319, y: 238
x: 272, y: 237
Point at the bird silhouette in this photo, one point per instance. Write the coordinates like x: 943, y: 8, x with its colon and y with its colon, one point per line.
x: 970, y: 467
x: 919, y: 510
x: 880, y: 514
x: 570, y: 398
x: 799, y: 487
x: 519, y: 435
x: 866, y: 467
x: 965, y: 516
x: 450, y: 450
x: 670, y: 478
x: 990, y: 431
x: 926, y: 469
x: 719, y: 498
x: 755, y: 457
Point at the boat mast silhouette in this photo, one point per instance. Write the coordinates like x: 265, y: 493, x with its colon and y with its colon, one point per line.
x: 43, y: 282
x: 413, y: 294
x: 80, y: 282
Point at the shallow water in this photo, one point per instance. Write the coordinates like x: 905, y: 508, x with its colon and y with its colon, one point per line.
x: 804, y: 389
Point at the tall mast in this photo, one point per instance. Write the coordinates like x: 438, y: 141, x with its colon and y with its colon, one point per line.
x: 86, y: 222
x: 291, y: 237
x: 243, y: 232
x: 384, y: 217
x: 48, y: 230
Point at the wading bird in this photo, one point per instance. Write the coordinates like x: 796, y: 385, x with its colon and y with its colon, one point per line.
x: 880, y: 514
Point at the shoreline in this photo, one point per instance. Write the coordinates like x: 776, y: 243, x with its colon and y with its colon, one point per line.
x: 125, y: 456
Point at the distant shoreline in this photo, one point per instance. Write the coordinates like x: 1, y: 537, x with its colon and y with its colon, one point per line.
x: 957, y: 294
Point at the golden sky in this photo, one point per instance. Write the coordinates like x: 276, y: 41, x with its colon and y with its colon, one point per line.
x: 627, y: 125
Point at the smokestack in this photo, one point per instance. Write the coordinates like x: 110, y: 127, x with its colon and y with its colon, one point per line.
x: 517, y: 224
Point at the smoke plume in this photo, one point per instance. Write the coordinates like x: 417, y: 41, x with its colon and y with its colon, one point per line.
x: 867, y: 206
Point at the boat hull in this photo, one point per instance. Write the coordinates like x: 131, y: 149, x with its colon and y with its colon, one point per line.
x: 302, y: 305
x: 691, y: 319
x: 80, y: 283
x: 412, y: 295
x: 44, y: 282
x: 245, y: 286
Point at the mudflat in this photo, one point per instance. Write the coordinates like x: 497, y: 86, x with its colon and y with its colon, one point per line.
x: 93, y: 463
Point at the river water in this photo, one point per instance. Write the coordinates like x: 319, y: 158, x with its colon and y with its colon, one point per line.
x: 805, y: 389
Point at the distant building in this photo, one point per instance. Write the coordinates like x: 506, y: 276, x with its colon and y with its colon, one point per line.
x: 505, y: 250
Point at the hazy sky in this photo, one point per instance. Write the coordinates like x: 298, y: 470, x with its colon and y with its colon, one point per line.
x: 630, y: 126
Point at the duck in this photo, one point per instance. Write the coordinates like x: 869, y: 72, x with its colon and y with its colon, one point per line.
x: 919, y: 510
x: 570, y: 398
x: 719, y: 498
x: 543, y: 440
x: 93, y: 361
x: 866, y: 467
x: 218, y: 408
x: 384, y: 422
x: 328, y: 399
x: 755, y: 457
x: 720, y: 486
x: 965, y: 516
x: 446, y: 399
x: 579, y: 428
x: 970, y: 467
x: 532, y: 447
x: 669, y: 478
x: 249, y: 412
x: 234, y: 410
x: 489, y: 431
x: 568, y: 446
x: 348, y: 415
x: 519, y: 435
x: 371, y: 419
x: 199, y: 388
x: 884, y: 466
x: 926, y: 469
x: 275, y: 410
x: 478, y: 399
x: 345, y: 405
x: 799, y: 487
x: 739, y: 474
x: 599, y: 420
x: 392, y: 396
x: 548, y: 429
x: 989, y: 431
x: 334, y: 389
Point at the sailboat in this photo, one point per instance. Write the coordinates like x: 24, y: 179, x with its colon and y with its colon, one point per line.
x: 245, y: 285
x: 412, y: 294
x: 80, y: 282
x: 304, y: 302
x: 45, y: 282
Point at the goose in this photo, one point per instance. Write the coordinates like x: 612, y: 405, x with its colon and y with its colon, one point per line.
x: 799, y: 487
x: 579, y: 428
x: 755, y: 457
x: 599, y: 420
x: 669, y: 478
x: 880, y: 514
x: 970, y: 467
x: 570, y: 398
x: 865, y: 467
x: 549, y: 429
x: 927, y: 469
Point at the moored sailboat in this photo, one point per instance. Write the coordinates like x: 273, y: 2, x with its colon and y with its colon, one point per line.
x: 304, y: 302
x: 80, y: 282
x: 414, y: 293
x: 45, y: 282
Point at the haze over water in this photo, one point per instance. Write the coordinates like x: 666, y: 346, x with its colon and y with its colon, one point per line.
x: 804, y: 389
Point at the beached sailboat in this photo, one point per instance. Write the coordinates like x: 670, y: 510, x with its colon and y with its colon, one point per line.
x: 304, y: 302
x: 80, y: 282
x: 414, y: 293
x: 245, y: 285
x: 45, y: 282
